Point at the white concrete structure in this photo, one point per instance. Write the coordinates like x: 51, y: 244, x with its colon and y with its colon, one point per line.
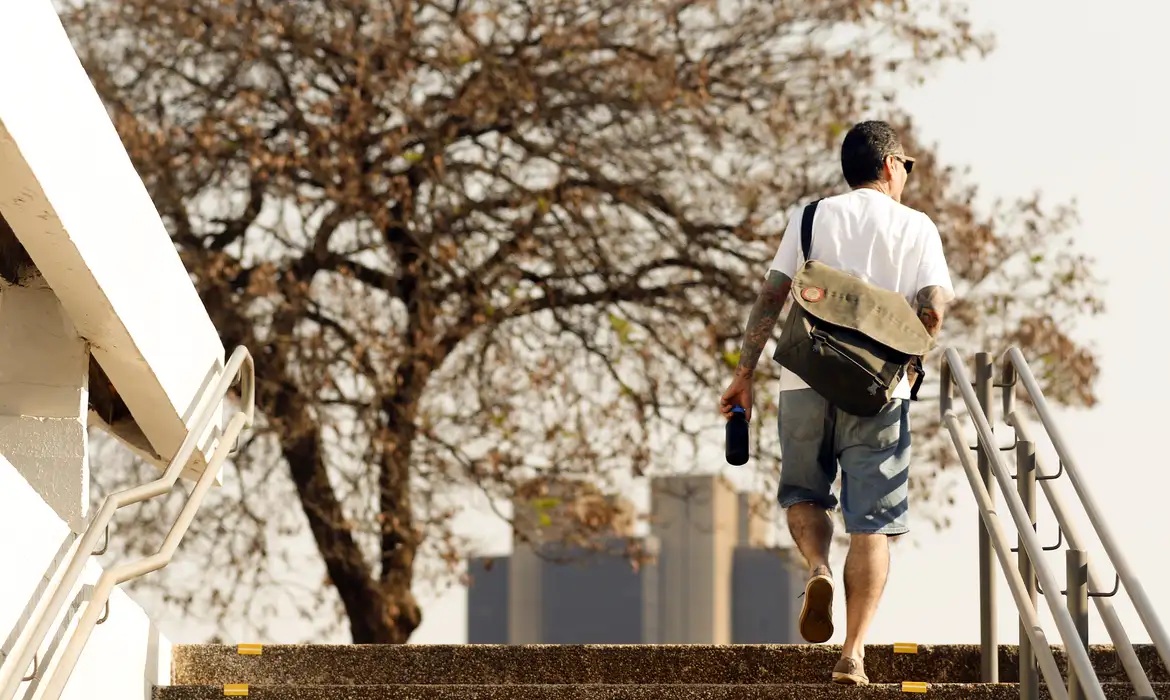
x: 75, y: 202
x: 126, y: 655
x: 96, y: 309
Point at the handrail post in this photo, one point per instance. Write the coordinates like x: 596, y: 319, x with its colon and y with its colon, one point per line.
x: 1026, y: 483
x: 989, y: 647
x: 1077, y: 577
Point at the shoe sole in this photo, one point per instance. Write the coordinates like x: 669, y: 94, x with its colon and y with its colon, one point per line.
x: 816, y: 616
x: 849, y: 679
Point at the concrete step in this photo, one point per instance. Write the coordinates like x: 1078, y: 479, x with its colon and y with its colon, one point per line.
x: 944, y: 691
x: 335, y: 665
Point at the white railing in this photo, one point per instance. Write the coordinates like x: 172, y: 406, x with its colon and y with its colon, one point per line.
x: 48, y: 606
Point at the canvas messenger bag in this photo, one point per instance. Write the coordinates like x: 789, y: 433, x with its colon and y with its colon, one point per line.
x: 849, y: 340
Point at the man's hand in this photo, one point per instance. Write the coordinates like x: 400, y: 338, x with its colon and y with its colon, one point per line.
x: 738, y: 394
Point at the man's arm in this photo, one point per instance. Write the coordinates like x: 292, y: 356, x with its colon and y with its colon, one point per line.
x: 932, y: 306
x: 762, y: 320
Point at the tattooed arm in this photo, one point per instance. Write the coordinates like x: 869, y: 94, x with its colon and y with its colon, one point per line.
x: 761, y: 322
x: 932, y: 306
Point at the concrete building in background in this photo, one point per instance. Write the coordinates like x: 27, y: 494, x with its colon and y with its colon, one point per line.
x: 706, y: 574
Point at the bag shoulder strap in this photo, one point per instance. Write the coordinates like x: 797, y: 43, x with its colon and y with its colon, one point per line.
x: 919, y: 375
x: 806, y: 224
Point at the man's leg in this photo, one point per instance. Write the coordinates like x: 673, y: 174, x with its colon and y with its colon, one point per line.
x: 807, y: 471
x: 875, y: 461
x: 866, y: 567
x: 812, y: 532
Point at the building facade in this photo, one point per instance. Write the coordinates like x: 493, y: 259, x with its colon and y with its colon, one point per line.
x: 707, y: 574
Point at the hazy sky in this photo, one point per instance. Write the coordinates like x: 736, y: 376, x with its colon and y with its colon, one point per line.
x: 1067, y: 103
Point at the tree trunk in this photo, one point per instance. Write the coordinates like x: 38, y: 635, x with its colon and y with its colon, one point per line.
x: 400, y: 540
x: 347, y: 570
x: 383, y: 613
x: 370, y: 619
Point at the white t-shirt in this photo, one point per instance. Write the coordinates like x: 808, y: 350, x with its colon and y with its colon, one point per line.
x: 866, y: 233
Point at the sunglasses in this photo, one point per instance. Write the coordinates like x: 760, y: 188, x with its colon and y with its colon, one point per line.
x: 906, y: 161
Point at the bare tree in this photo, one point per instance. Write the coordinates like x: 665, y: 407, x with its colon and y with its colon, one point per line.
x: 472, y: 242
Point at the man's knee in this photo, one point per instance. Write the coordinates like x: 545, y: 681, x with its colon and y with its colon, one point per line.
x: 808, y: 515
x: 866, y: 546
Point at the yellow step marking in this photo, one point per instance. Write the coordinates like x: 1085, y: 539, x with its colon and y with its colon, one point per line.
x: 235, y: 689
x: 905, y: 648
x: 249, y: 649
x: 914, y: 687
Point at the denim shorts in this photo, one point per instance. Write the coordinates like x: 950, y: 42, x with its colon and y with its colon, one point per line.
x: 873, y: 454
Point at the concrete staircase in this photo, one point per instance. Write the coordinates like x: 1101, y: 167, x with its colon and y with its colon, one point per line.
x: 637, y: 672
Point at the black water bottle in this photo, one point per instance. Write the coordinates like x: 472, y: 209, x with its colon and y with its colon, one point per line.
x: 737, y: 437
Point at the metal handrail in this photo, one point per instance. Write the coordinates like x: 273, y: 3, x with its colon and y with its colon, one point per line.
x: 1015, y: 368
x: 954, y: 372
x: 239, y: 365
x: 1113, y: 626
x: 1030, y: 621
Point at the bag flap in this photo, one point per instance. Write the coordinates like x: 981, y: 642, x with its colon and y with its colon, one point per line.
x: 842, y: 299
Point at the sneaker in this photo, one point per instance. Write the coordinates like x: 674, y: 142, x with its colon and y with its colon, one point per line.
x: 816, y: 615
x: 850, y: 671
